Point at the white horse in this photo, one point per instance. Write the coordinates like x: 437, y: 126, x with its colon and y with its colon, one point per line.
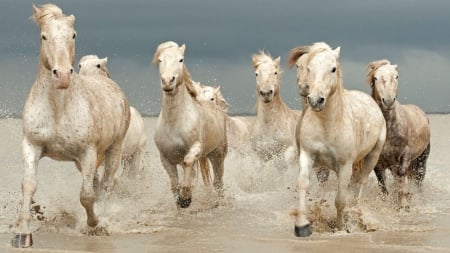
x: 238, y: 128
x: 68, y: 117
x: 338, y: 128
x: 273, y: 132
x: 135, y: 139
x: 407, y: 145
x: 186, y: 131
x: 92, y: 65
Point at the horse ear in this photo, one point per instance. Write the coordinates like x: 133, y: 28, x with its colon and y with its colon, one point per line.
x: 71, y: 19
x: 104, y: 61
x: 395, y: 67
x: 183, y: 48
x: 36, y: 14
x: 278, y: 60
x: 337, y: 51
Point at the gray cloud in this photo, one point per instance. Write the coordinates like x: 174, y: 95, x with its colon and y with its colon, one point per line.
x: 221, y: 36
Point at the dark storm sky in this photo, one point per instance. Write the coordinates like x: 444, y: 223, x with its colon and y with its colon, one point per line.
x: 221, y: 37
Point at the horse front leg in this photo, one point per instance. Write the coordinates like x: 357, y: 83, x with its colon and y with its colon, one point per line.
x: 401, y: 181
x: 344, y: 177
x: 185, y: 196
x: 31, y: 156
x: 302, y: 225
x: 172, y: 172
x: 87, y: 194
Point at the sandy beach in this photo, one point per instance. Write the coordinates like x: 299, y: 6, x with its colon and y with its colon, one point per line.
x: 254, y: 216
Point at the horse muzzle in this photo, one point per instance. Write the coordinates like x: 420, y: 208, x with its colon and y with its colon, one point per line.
x: 62, y: 79
x: 389, y: 103
x: 267, y: 96
x: 316, y: 103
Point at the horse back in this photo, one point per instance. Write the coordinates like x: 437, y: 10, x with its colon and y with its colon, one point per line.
x: 365, y: 119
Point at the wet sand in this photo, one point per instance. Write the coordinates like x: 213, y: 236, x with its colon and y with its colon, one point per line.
x: 253, y: 217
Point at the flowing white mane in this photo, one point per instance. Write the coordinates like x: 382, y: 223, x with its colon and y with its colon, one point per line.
x: 49, y: 12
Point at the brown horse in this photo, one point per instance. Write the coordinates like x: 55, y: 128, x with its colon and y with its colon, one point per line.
x: 407, y: 145
x: 68, y: 117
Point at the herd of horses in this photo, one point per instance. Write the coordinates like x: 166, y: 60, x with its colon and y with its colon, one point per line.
x: 86, y: 118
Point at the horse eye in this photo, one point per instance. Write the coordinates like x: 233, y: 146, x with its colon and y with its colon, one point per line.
x: 79, y: 66
x: 74, y: 36
x: 396, y: 77
x: 375, y: 79
x: 256, y: 74
x: 276, y: 73
x: 296, y: 65
x: 333, y: 69
x: 43, y: 37
x: 181, y: 60
x: 212, y: 99
x: 159, y: 60
x: 98, y: 66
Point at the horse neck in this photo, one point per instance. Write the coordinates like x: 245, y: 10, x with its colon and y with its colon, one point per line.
x: 269, y: 112
x: 391, y: 116
x: 174, y: 105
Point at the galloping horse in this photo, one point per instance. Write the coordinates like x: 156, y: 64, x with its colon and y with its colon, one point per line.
x: 273, y: 132
x: 135, y: 139
x: 186, y: 130
x: 68, y: 117
x: 407, y: 145
x: 338, y: 128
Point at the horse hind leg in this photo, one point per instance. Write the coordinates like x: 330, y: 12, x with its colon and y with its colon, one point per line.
x: 381, y: 177
x: 419, y: 166
x: 113, y: 158
x: 217, y: 159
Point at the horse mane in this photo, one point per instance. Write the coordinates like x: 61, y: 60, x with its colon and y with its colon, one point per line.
x: 296, y: 53
x: 49, y: 12
x: 320, y: 47
x: 262, y: 57
x: 299, y: 51
x: 373, y: 67
x: 186, y: 75
x: 163, y: 46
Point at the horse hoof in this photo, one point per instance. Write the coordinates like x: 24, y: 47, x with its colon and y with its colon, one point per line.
x: 183, y: 203
x: 303, y: 231
x: 22, y: 241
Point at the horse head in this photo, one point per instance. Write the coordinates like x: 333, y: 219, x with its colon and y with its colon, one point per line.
x: 169, y: 57
x: 57, y: 42
x: 383, y: 79
x: 267, y: 71
x: 323, y: 76
x: 92, y: 65
x: 214, y: 96
x: 298, y: 56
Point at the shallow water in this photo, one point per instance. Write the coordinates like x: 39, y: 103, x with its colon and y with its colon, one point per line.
x: 254, y: 216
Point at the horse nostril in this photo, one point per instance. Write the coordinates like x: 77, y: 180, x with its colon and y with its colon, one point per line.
x: 261, y: 93
x: 55, y: 72
x: 71, y: 71
x: 321, y: 100
x: 270, y: 92
x: 173, y: 79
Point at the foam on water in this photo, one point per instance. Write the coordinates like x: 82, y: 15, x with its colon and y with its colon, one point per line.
x: 258, y: 196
